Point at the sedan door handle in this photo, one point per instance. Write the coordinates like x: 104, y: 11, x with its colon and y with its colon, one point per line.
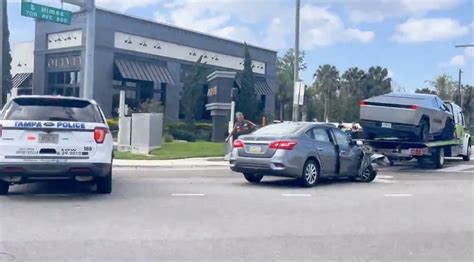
x: 320, y: 148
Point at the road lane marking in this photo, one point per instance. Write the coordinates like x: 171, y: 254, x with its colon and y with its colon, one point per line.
x: 398, y: 195
x: 187, y: 194
x: 296, y: 195
x: 384, y: 176
x: 378, y: 180
x: 457, y: 168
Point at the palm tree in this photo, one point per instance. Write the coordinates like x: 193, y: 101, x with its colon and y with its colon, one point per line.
x: 377, y: 82
x: 327, y: 84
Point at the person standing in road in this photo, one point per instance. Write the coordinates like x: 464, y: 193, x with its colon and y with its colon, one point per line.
x: 241, y: 127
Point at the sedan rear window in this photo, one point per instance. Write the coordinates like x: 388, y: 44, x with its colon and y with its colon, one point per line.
x: 279, y: 129
x: 50, y: 109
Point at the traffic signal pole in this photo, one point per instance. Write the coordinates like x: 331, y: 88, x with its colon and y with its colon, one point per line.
x: 296, y: 60
x: 90, y: 47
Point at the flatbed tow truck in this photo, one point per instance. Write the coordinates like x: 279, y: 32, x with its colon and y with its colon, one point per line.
x: 432, y: 151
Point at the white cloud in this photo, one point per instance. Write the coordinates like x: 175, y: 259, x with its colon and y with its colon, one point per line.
x: 261, y: 22
x: 469, y: 52
x: 458, y: 60
x: 320, y: 27
x: 124, y: 5
x: 377, y: 11
x: 429, y: 29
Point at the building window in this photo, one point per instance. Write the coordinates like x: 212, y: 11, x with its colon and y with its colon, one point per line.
x: 163, y: 94
x: 64, y: 83
x: 262, y: 103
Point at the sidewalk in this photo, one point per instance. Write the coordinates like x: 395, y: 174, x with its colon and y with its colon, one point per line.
x: 178, y: 163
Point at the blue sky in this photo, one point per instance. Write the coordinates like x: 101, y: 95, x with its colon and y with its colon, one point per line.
x: 414, y: 39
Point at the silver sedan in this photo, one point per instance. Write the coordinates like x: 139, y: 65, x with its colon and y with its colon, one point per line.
x: 307, y: 151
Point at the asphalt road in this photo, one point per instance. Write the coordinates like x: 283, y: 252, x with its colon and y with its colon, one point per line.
x: 167, y: 215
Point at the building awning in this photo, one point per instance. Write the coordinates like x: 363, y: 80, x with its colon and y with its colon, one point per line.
x: 143, y: 71
x: 19, y: 79
x: 261, y: 87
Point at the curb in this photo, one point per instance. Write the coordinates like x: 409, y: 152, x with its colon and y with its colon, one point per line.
x: 168, y: 166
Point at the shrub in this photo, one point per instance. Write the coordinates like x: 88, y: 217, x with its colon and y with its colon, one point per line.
x: 168, y: 138
x: 113, y: 124
x: 151, y: 106
x: 181, y: 134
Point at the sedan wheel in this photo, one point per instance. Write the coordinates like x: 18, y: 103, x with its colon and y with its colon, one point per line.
x: 368, y: 175
x: 310, y: 174
x: 253, y: 178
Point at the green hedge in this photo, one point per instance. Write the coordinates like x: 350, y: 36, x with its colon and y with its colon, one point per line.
x: 180, y: 131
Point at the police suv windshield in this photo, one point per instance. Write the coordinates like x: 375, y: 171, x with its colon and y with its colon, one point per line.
x: 50, y: 109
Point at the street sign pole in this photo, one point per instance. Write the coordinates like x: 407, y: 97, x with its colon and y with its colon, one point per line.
x: 297, y: 56
x: 3, y: 13
x: 90, y: 47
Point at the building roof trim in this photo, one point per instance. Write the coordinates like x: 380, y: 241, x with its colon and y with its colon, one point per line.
x: 182, y: 28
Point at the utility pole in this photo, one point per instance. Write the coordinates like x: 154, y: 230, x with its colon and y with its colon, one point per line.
x: 460, y: 88
x: 90, y: 47
x: 460, y: 72
x: 297, y: 60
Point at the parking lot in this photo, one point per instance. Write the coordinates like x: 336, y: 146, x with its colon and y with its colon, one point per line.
x: 213, y: 214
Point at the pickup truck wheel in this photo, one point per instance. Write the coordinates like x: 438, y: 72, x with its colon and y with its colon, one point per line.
x: 424, y: 130
x: 468, y: 156
x: 449, y: 129
x: 438, y: 157
x: 253, y: 178
x: 4, y: 186
x: 104, y: 184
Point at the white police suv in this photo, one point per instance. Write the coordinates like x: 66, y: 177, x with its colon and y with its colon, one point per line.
x: 46, y: 138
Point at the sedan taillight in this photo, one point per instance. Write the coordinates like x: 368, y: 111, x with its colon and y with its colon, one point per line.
x: 284, y: 145
x: 99, y: 134
x: 238, y: 143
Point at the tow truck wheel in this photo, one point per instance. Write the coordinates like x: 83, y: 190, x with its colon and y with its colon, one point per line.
x: 468, y: 156
x: 104, y: 184
x: 438, y: 157
x: 4, y: 186
x: 253, y: 178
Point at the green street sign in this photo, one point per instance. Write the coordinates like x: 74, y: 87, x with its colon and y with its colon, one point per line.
x: 47, y: 13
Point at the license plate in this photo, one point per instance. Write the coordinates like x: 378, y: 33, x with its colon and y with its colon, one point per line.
x: 387, y: 125
x: 48, y: 138
x: 255, y: 149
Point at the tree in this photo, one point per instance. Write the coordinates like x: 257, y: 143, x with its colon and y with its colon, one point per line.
x: 377, y: 82
x: 468, y: 95
x: 192, y: 91
x: 6, y: 56
x: 326, y: 84
x: 247, y: 103
x: 352, y: 91
x: 285, y: 73
x: 425, y: 90
x: 444, y: 86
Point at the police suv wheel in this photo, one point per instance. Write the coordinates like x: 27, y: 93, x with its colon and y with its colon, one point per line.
x: 104, y: 184
x: 4, y: 186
